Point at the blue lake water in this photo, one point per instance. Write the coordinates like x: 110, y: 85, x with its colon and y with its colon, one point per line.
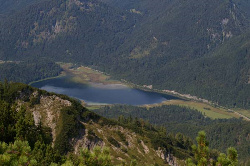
x: 102, y: 94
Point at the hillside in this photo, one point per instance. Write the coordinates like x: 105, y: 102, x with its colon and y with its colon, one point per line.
x: 6, y: 7
x: 191, y: 47
x: 222, y: 133
x: 58, y: 122
x: 63, y: 30
x: 175, y: 45
x: 42, y: 128
x: 28, y: 71
x: 181, y: 50
x: 221, y: 76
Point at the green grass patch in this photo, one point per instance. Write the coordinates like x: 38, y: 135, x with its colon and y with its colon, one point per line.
x: 94, y: 107
x: 208, y: 110
x: 243, y: 112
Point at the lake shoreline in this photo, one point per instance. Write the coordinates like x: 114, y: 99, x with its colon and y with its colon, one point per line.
x: 86, y: 75
x: 101, y: 94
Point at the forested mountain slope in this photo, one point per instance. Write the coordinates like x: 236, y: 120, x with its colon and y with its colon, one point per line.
x: 72, y: 30
x: 222, y: 76
x: 28, y: 71
x: 6, y: 7
x: 42, y: 128
x: 195, y: 47
x: 192, y: 47
x: 221, y: 133
x: 56, y: 125
x: 244, y: 6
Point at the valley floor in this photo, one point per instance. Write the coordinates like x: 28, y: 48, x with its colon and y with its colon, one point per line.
x: 87, y: 75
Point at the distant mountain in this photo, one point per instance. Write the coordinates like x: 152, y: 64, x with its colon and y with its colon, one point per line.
x: 65, y: 30
x: 221, y: 76
x: 174, y: 44
x: 191, y: 47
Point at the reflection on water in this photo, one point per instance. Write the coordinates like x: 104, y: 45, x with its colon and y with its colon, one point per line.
x: 102, y: 94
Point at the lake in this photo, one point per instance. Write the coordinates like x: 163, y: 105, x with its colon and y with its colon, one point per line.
x: 97, y: 93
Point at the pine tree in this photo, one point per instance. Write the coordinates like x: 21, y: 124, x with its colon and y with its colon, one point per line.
x: 203, y: 156
x: 231, y: 159
x: 18, y: 153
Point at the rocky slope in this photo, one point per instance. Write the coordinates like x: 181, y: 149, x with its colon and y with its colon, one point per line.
x: 72, y: 128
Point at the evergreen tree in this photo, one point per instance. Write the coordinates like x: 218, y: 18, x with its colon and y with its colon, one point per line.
x: 231, y: 159
x: 18, y: 153
x: 203, y: 156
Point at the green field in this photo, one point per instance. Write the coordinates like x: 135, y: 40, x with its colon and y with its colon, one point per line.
x: 94, y: 107
x: 244, y: 112
x: 206, y: 109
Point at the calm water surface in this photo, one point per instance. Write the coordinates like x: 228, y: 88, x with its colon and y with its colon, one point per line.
x: 102, y: 94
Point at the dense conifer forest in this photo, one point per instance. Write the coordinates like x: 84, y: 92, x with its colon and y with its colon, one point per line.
x: 28, y: 71
x: 23, y: 141
x: 221, y: 133
x: 153, y: 43
x: 195, y: 47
